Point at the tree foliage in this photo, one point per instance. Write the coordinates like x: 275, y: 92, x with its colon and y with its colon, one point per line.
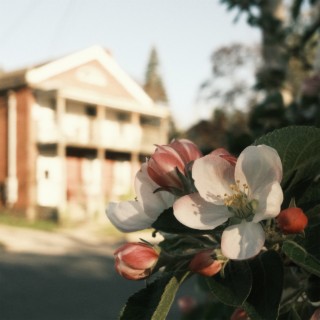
x: 289, y: 71
x: 153, y: 82
x: 274, y: 84
x: 231, y: 84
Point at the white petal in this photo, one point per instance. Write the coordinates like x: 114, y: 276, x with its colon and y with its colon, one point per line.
x: 258, y: 165
x: 128, y: 216
x: 212, y: 176
x: 196, y: 213
x: 242, y: 241
x: 153, y: 203
x: 269, y: 198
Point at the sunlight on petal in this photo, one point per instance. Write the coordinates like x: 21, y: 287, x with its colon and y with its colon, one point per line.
x: 270, y: 198
x: 128, y: 216
x: 194, y: 212
x: 153, y: 203
x: 242, y: 241
x: 212, y: 177
x: 258, y: 165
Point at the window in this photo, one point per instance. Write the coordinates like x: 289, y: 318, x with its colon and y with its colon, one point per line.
x: 149, y: 121
x: 91, y: 111
x: 123, y: 117
x: 79, y: 108
x: 118, y: 116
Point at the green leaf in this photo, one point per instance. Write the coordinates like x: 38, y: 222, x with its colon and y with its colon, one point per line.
x: 311, y: 233
x: 154, y: 301
x: 290, y: 315
x: 299, y: 150
x: 180, y: 244
x: 267, y: 282
x: 168, y: 223
x: 234, y: 287
x: 309, y: 197
x: 293, y: 287
x: 301, y: 257
x: 314, y: 216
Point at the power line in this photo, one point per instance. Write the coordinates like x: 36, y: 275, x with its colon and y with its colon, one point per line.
x: 16, y: 24
x: 60, y: 24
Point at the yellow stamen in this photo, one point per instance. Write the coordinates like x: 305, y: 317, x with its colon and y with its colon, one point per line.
x: 238, y: 201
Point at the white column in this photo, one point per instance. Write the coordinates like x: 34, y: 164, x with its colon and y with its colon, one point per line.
x: 164, y: 130
x: 101, y: 157
x: 61, y: 152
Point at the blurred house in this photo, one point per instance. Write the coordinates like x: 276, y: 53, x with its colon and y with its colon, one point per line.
x: 73, y: 133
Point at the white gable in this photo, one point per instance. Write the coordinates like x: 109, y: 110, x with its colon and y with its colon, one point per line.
x: 89, y: 74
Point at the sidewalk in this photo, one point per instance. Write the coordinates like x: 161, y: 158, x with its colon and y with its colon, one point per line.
x: 67, y: 274
x: 59, y: 242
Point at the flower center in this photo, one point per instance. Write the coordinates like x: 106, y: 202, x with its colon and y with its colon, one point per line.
x: 238, y: 202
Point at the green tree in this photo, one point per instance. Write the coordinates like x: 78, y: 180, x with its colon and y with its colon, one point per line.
x: 153, y: 82
x: 210, y: 134
x: 289, y: 38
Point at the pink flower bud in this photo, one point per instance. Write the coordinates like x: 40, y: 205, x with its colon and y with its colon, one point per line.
x: 239, y: 314
x: 204, y: 264
x: 316, y: 315
x: 167, y: 159
x: 292, y: 220
x: 223, y: 153
x: 135, y: 260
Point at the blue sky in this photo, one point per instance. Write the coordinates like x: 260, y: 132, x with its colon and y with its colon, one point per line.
x: 185, y: 33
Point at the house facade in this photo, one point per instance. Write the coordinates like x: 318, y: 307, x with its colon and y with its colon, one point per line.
x: 73, y: 133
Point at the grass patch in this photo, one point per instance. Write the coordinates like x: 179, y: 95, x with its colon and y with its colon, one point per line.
x: 21, y: 222
x: 111, y: 231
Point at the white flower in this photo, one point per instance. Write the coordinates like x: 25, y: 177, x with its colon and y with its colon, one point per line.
x: 139, y: 214
x: 246, y: 193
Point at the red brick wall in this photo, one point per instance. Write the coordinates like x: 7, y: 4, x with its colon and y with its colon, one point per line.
x: 3, y: 145
x: 25, y: 148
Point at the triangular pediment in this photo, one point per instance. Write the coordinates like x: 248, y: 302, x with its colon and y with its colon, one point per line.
x: 91, y: 77
x: 93, y: 71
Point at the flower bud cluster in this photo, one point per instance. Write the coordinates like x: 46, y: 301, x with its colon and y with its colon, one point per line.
x: 229, y: 219
x: 213, y: 193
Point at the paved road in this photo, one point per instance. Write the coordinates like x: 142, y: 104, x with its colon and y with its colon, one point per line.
x: 60, y: 276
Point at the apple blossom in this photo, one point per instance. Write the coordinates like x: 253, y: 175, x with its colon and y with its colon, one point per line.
x: 139, y: 214
x: 169, y: 163
x: 204, y: 264
x: 292, y: 220
x: 135, y: 260
x: 244, y: 195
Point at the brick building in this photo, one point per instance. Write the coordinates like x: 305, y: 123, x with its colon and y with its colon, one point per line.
x: 73, y: 133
